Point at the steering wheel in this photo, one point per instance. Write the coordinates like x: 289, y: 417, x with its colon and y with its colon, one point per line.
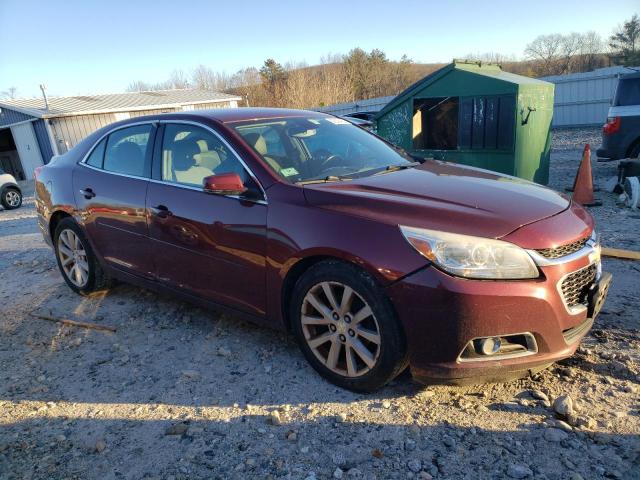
x: 336, y: 160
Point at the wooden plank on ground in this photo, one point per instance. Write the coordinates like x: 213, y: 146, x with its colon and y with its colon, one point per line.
x: 619, y: 253
x: 73, y: 323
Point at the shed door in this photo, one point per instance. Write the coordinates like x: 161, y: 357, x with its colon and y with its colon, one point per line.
x: 28, y: 149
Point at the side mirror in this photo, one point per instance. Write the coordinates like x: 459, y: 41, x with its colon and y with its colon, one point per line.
x: 224, y: 184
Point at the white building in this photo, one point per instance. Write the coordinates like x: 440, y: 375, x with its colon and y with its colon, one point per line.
x: 31, y: 132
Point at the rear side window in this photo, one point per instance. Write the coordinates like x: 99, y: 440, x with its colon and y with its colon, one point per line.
x: 126, y: 151
x: 628, y: 92
x: 96, y: 157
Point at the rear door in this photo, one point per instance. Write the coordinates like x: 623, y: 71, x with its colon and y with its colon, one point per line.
x: 110, y: 187
x: 213, y: 246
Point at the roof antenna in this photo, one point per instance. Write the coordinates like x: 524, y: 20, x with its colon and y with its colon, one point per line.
x: 44, y: 95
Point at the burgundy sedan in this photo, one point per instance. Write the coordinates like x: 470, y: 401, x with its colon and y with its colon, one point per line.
x: 305, y: 222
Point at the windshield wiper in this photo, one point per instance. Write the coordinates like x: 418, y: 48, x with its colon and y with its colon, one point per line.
x: 394, y: 168
x: 328, y: 178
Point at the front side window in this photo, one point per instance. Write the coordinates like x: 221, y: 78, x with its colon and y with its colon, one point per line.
x: 126, y: 151
x: 302, y: 149
x: 191, y: 153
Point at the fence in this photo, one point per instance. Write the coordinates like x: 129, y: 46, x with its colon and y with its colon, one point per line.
x: 583, y: 99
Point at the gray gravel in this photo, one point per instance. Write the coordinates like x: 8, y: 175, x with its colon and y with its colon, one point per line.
x: 182, y: 393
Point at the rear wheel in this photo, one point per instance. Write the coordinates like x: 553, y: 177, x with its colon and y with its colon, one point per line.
x: 11, y: 198
x: 635, y: 150
x: 76, y: 260
x: 346, y: 327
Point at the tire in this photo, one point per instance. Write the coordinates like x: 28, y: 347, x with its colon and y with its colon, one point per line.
x: 330, y: 344
x: 635, y: 150
x: 11, y: 198
x: 94, y: 278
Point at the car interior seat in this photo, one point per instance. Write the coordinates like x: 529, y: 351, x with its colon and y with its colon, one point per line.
x: 126, y: 157
x: 184, y: 167
x: 259, y: 144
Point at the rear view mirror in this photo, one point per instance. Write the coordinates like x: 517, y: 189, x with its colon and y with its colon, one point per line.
x: 224, y: 184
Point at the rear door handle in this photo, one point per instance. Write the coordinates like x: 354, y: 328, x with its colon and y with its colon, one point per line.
x: 161, y: 211
x: 87, y: 193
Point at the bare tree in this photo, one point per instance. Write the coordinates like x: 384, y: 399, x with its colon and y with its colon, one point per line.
x: 490, y: 57
x: 591, y: 50
x: 9, y: 93
x: 205, y: 78
x: 138, y: 86
x: 177, y: 80
x: 570, y: 45
x: 545, y: 49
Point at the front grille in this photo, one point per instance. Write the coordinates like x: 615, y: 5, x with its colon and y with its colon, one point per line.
x: 576, y: 286
x: 562, y: 250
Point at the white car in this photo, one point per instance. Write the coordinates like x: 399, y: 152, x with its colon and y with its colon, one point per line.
x: 10, y: 193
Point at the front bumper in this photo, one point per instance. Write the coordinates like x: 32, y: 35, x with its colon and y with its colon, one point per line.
x: 442, y: 314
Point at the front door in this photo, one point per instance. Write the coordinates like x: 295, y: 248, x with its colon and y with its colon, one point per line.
x: 110, y: 189
x: 210, y: 245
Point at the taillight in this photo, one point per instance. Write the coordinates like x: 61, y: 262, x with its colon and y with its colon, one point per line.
x: 612, y: 125
x: 37, y: 170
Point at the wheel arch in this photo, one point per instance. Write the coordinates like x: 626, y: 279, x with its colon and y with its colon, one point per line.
x: 297, y: 268
x: 55, y: 220
x: 10, y: 186
x: 632, y: 146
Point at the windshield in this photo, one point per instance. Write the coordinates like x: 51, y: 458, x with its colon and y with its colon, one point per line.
x: 319, y: 148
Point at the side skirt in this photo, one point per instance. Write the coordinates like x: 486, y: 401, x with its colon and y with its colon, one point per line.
x: 132, y: 279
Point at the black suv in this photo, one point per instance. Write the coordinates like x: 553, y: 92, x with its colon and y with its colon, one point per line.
x: 621, y: 133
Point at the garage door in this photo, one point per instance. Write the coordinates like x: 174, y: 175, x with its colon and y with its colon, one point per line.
x: 27, y: 146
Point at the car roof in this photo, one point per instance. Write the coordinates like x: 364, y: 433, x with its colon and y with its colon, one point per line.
x: 241, y: 114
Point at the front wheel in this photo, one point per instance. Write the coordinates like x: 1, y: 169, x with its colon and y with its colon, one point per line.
x: 76, y: 260
x: 346, y: 327
x: 11, y: 198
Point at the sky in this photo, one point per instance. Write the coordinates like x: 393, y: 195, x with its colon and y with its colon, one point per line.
x: 80, y: 47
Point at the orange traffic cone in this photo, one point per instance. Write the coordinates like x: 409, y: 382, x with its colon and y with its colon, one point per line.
x: 583, y: 184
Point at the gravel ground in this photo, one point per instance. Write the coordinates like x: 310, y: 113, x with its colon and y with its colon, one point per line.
x: 182, y: 393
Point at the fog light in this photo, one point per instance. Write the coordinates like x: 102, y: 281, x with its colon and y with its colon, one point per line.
x: 488, y: 346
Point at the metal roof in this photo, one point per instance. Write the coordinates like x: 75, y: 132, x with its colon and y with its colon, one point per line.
x: 605, y: 72
x: 115, y: 102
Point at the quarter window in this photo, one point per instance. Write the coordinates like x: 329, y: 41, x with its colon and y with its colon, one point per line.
x: 126, y: 151
x: 96, y: 157
x: 191, y: 153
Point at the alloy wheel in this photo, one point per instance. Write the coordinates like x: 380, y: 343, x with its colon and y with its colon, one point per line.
x: 340, y: 329
x: 13, y: 198
x: 73, y: 258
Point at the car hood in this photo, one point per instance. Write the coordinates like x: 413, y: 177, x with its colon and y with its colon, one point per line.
x: 442, y: 196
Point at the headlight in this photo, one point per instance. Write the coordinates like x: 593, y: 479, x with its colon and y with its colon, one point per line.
x: 471, y: 257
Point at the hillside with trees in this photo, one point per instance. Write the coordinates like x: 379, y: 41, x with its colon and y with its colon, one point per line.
x: 359, y: 75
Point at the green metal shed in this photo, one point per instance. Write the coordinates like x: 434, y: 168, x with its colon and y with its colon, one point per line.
x: 476, y: 114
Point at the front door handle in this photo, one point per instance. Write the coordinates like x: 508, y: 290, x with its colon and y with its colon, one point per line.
x: 161, y: 211
x: 87, y: 193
